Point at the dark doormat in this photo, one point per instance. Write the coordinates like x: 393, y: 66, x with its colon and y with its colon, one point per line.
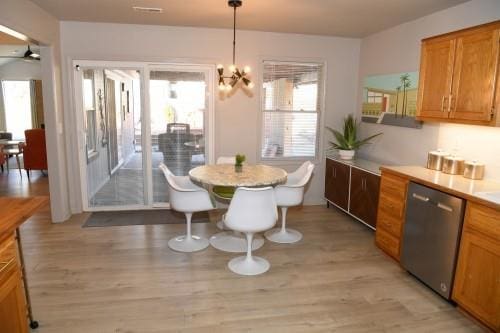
x: 141, y: 217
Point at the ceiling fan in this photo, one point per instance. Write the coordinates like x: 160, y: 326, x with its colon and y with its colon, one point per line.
x: 28, y: 55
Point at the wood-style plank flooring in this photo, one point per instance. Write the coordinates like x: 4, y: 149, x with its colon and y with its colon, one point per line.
x: 126, y: 279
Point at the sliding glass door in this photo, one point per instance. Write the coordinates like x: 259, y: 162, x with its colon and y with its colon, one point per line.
x: 178, y: 105
x: 133, y: 120
x: 112, y: 161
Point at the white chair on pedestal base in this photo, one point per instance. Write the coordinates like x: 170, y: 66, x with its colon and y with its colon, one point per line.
x: 187, y: 198
x: 252, y: 210
x: 287, y: 195
x: 228, y: 240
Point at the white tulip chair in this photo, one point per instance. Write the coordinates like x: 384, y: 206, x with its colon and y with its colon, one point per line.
x: 188, y: 198
x: 287, y: 195
x: 251, y: 210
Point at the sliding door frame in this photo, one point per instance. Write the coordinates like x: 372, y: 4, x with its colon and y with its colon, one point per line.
x: 144, y: 69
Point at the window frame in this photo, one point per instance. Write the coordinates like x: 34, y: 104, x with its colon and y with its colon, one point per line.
x: 319, y: 151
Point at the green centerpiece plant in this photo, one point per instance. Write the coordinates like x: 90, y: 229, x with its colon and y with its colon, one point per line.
x: 239, y: 160
x: 346, y: 142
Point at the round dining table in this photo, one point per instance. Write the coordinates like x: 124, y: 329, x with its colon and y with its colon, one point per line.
x: 228, y: 175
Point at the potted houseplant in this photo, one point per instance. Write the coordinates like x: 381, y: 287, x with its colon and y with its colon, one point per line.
x: 239, y: 159
x: 346, y: 141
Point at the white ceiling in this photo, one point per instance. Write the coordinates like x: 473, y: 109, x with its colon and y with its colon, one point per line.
x: 349, y: 18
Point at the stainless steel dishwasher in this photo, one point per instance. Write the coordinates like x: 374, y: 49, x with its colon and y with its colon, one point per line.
x: 431, y: 236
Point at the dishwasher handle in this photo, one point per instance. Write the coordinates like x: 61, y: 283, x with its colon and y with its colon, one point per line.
x: 420, y: 197
x: 437, y: 204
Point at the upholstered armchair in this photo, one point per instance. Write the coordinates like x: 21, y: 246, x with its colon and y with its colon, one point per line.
x: 34, y: 151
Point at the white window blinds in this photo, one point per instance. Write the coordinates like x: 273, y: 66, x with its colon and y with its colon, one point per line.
x: 291, y: 106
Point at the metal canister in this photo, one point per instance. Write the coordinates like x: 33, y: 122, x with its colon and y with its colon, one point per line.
x: 453, y: 165
x: 474, y: 170
x: 435, y: 159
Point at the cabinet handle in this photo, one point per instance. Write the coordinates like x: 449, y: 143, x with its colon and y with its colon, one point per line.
x: 334, y: 172
x: 363, y: 184
x: 442, y: 103
x: 450, y: 103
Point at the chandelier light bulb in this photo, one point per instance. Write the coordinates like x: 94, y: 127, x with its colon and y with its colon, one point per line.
x: 220, y: 66
x: 232, y: 68
x: 228, y: 87
x: 247, y: 69
x: 222, y: 86
x: 251, y: 85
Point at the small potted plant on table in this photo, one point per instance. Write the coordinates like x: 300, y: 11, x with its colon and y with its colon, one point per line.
x: 239, y: 159
x: 346, y: 141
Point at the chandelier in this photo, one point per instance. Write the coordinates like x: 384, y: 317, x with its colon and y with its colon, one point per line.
x: 236, y: 74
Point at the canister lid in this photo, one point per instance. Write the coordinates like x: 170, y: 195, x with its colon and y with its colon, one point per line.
x: 474, y: 163
x: 439, y: 152
x: 454, y: 158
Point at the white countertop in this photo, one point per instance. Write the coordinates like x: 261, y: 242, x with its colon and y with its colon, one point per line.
x: 475, y: 190
x: 359, y: 163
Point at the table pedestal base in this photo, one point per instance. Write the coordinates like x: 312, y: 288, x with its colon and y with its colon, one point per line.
x: 236, y: 242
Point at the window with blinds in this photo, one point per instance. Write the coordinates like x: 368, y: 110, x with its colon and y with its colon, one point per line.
x: 291, y: 107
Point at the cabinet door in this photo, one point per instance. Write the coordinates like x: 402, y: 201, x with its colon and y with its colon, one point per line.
x: 364, y: 196
x: 477, y: 280
x: 337, y: 183
x: 476, y: 64
x: 436, y: 69
x: 12, y: 305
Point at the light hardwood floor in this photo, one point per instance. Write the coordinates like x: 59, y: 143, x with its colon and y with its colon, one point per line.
x: 126, y: 279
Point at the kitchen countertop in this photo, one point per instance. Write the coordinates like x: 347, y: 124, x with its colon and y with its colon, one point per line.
x: 454, y: 184
x: 17, y: 210
x: 359, y: 163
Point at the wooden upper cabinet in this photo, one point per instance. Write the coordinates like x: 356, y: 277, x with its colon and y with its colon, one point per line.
x: 474, y: 74
x: 436, y: 72
x: 459, y: 77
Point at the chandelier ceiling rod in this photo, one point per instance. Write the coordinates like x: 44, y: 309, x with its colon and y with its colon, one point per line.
x: 234, y: 36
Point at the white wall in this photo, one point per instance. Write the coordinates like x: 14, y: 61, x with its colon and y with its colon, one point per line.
x: 29, y: 19
x: 237, y: 117
x: 21, y: 70
x: 398, y: 50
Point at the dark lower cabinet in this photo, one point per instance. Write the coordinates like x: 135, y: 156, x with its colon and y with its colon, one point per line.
x: 364, y: 196
x: 353, y: 189
x: 337, y: 183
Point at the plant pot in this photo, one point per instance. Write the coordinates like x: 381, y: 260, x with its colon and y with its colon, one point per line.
x: 347, y: 154
x: 238, y: 168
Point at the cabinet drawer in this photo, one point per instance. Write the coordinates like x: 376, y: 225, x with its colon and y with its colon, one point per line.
x: 387, y: 243
x: 483, y: 219
x: 394, y: 186
x: 389, y: 223
x: 391, y: 205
